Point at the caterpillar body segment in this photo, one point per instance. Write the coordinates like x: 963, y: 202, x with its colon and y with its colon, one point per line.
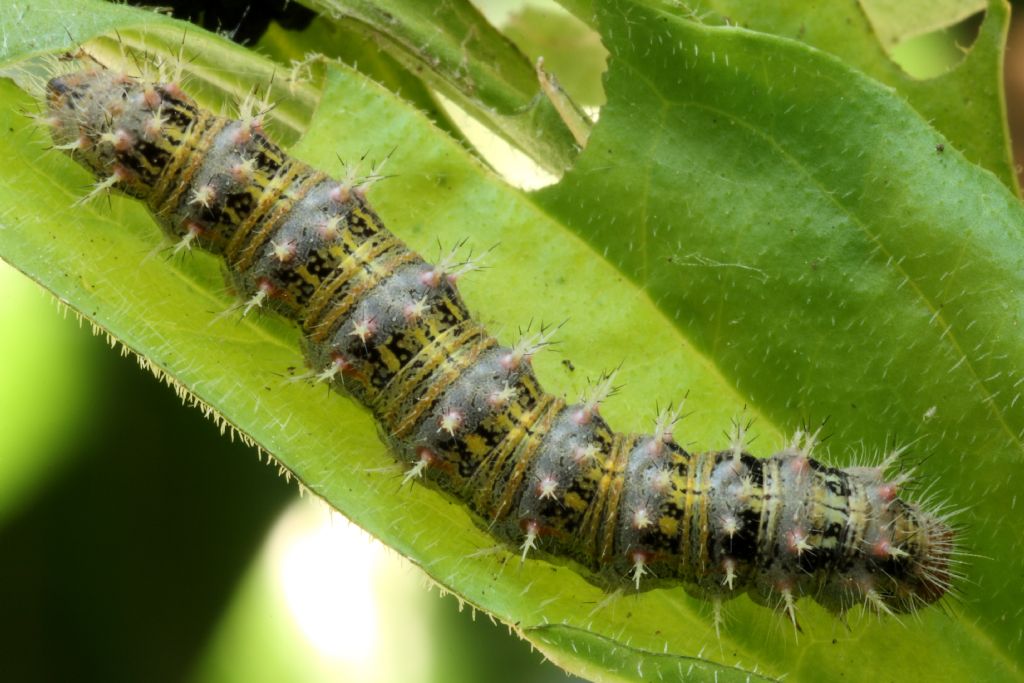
x: 466, y: 413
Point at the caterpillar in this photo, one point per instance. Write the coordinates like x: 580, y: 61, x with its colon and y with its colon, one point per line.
x: 467, y: 414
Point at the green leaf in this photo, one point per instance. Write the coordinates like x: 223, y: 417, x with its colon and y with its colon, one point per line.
x: 831, y: 259
x: 458, y: 53
x: 746, y: 209
x: 37, y: 27
x: 965, y: 103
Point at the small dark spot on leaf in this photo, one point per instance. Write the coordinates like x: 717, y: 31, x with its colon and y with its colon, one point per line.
x: 568, y: 365
x: 940, y: 148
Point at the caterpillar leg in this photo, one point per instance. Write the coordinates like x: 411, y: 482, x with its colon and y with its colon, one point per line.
x: 717, y: 617
x: 789, y: 607
x: 530, y: 541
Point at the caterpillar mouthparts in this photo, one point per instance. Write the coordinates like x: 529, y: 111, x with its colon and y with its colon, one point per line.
x: 467, y: 414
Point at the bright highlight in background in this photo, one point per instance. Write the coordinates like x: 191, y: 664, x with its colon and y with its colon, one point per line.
x: 324, y: 602
x: 327, y: 575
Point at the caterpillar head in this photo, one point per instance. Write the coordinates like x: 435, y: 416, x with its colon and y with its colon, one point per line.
x: 923, y: 573
x: 906, y: 565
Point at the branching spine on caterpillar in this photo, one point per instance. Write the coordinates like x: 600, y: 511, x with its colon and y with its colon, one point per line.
x: 467, y: 414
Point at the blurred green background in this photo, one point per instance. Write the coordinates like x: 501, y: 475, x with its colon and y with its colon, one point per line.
x: 214, y: 569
